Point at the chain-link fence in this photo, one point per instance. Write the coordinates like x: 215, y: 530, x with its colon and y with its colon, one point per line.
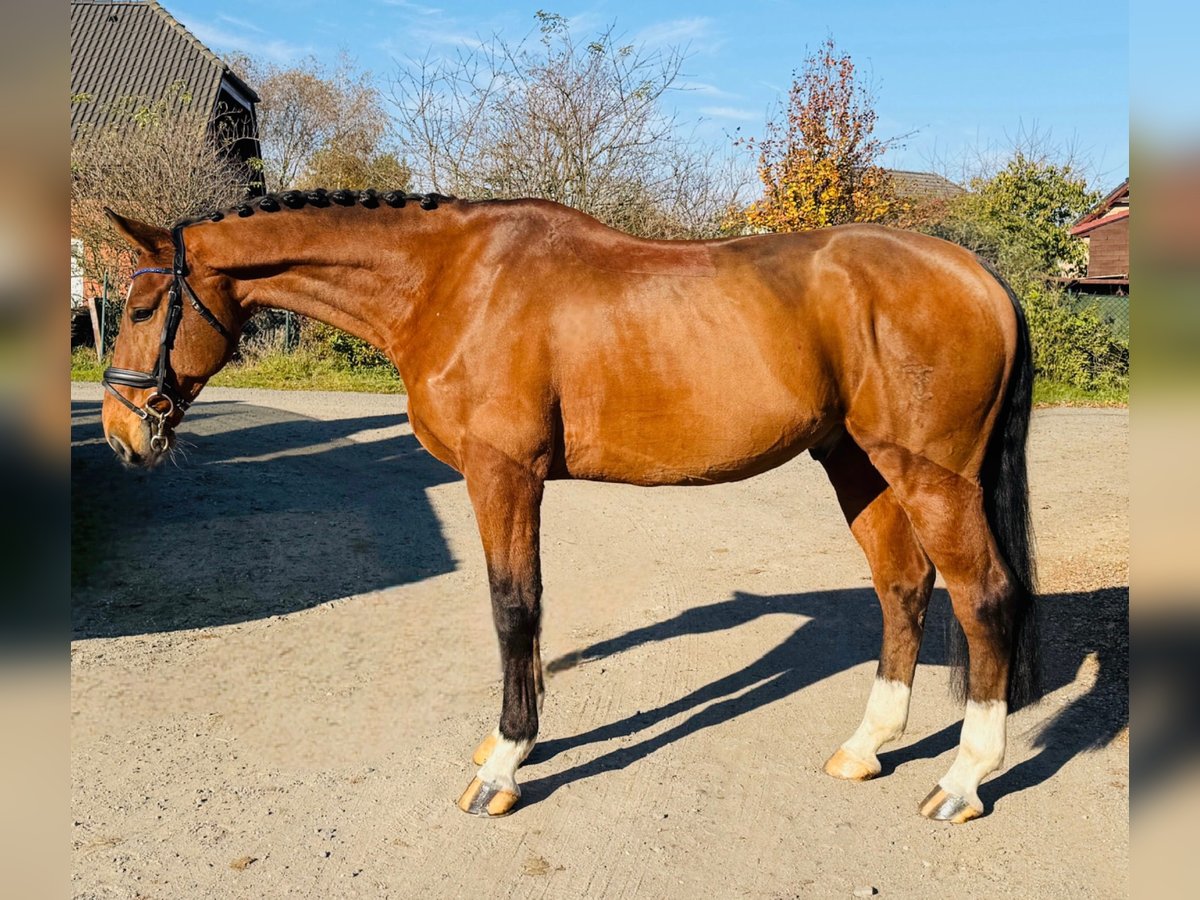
x: 1081, y: 340
x: 1112, y: 309
x: 108, y: 314
x: 270, y: 331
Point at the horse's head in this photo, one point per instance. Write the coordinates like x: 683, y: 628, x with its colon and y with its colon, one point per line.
x: 179, y: 327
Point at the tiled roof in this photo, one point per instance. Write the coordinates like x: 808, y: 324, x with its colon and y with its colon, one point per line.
x: 137, y: 49
x: 923, y: 185
x: 1087, y: 227
x: 1118, y: 196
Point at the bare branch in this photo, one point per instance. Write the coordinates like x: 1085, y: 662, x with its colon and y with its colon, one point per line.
x: 159, y: 161
x: 579, y: 123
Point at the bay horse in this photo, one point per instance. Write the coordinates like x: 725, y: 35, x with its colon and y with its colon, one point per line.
x: 539, y: 344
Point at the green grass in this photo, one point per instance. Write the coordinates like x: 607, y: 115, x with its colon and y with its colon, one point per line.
x: 302, y: 370
x: 305, y: 370
x: 1052, y: 393
x: 85, y: 366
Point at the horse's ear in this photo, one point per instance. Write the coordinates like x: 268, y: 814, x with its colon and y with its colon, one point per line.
x: 149, y: 238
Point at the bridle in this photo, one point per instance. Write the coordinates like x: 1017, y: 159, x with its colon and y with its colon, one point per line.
x: 167, y: 397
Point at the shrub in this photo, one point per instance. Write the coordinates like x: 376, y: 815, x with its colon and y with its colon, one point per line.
x: 1072, y: 343
x: 354, y: 352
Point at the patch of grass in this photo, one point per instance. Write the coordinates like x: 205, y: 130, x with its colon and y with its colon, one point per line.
x: 302, y: 370
x: 85, y: 366
x: 1055, y: 393
x: 305, y: 370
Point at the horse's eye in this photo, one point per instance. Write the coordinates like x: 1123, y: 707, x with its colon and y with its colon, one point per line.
x: 142, y: 314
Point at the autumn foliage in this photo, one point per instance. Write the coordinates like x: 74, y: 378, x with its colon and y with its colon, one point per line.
x: 818, y: 163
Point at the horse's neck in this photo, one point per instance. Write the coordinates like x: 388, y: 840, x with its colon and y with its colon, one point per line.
x: 366, y: 278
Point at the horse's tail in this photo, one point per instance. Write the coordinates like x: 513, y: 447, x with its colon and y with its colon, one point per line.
x: 1006, y: 499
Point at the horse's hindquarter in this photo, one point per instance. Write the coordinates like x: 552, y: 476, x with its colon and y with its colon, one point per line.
x: 688, y: 368
x: 926, y: 347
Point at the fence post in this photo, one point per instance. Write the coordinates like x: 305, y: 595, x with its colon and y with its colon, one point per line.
x: 95, y: 306
x: 103, y: 314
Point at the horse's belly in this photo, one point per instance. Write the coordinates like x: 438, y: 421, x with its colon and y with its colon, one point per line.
x: 708, y: 384
x: 665, y: 445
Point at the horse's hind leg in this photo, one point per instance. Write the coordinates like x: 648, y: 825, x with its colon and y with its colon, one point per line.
x: 507, y: 500
x: 947, y: 512
x: 903, y: 578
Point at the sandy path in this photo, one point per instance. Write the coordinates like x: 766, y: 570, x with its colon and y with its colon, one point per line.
x: 284, y: 654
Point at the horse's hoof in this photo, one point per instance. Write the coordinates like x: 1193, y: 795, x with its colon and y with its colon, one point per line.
x: 843, y: 765
x: 945, y: 807
x: 483, y: 799
x: 484, y: 750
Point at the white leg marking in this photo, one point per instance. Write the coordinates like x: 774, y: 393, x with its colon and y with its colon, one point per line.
x: 884, y: 720
x: 501, y: 767
x: 980, y: 750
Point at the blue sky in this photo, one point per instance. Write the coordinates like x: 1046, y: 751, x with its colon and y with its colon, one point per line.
x: 965, y: 77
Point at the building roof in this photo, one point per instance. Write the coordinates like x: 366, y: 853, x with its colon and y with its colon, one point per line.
x: 135, y: 48
x: 1114, y: 206
x: 1092, y: 224
x: 923, y: 185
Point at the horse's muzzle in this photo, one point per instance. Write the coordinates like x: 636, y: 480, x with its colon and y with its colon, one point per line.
x: 133, y: 458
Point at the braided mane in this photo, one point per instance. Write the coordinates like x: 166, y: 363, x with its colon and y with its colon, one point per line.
x: 320, y: 198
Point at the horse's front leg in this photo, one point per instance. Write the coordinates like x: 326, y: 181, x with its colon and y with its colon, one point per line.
x: 507, y: 500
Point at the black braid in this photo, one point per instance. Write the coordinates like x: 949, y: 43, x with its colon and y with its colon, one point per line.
x: 322, y: 198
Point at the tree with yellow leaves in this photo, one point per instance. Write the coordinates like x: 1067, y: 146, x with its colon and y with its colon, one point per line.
x: 818, y: 165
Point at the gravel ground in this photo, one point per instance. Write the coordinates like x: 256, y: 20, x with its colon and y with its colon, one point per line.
x: 284, y: 657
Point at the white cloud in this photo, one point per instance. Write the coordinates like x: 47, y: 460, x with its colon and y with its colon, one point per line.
x: 706, y: 90
x: 730, y: 112
x: 240, y: 23
x: 417, y: 36
x: 676, y: 31
x: 419, y: 8
x: 588, y: 21
x: 217, y: 38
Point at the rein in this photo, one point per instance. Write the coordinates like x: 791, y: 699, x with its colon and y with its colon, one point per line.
x: 167, y: 397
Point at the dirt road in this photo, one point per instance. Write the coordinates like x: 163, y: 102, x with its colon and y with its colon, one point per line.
x: 284, y: 657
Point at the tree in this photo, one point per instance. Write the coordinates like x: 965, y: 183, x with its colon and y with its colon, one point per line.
x: 157, y: 161
x: 355, y: 170
x: 819, y: 163
x: 1019, y: 215
x: 581, y: 123
x: 321, y: 128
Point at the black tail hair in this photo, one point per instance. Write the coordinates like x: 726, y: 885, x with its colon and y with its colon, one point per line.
x: 1006, y: 500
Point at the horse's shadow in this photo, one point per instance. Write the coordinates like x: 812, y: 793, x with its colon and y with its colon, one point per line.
x: 274, y: 513
x: 842, y: 630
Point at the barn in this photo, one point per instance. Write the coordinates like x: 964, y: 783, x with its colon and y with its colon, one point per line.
x: 1105, y: 229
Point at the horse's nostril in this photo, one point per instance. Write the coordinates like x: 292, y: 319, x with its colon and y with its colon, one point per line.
x: 121, y: 448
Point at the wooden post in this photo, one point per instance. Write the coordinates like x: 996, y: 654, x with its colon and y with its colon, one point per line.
x: 97, y: 333
x: 103, y: 313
